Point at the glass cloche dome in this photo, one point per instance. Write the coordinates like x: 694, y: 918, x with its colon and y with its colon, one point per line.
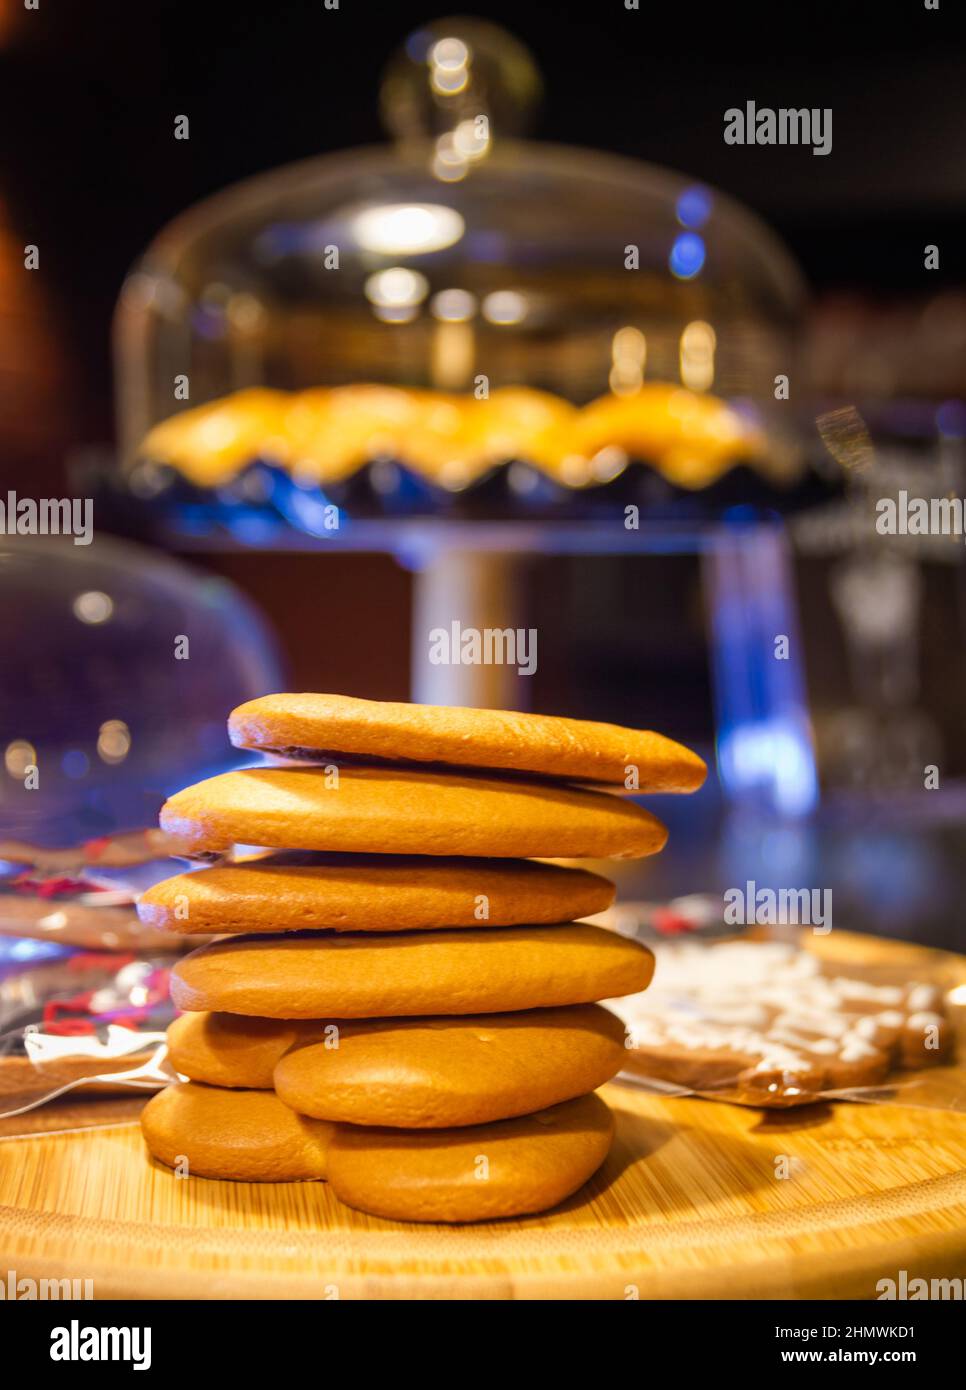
x: 119, y: 638
x: 459, y: 319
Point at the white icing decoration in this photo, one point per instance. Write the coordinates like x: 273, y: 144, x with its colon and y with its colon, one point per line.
x: 769, y: 1004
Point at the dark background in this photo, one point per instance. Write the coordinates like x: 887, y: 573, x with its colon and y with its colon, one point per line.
x: 91, y: 172
x: 89, y: 92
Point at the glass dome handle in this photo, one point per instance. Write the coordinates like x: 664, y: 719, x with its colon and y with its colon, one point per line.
x: 457, y: 85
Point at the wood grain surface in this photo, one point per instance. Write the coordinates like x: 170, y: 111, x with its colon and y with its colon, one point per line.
x: 688, y: 1205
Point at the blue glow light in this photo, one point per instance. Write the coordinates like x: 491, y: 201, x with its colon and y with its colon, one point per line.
x: 765, y: 758
x: 951, y: 419
x: 251, y: 527
x: 75, y: 763
x: 20, y: 949
x: 687, y: 255
x: 418, y: 45
x: 282, y: 239
x: 208, y: 322
x: 774, y: 755
x: 741, y: 514
x: 310, y: 511
x: 693, y: 207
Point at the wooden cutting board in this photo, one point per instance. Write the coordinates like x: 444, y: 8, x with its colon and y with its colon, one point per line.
x: 689, y: 1205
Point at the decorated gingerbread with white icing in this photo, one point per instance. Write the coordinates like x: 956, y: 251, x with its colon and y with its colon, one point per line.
x: 764, y: 1023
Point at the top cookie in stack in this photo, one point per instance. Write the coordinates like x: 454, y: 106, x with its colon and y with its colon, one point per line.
x: 322, y: 727
x: 418, y: 917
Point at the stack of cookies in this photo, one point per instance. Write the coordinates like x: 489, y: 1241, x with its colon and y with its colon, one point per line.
x: 403, y: 1002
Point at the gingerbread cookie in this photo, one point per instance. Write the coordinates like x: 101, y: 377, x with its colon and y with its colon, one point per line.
x: 478, y: 1173
x: 765, y: 1024
x: 325, y: 434
x: 406, y: 812
x: 406, y: 974
x: 245, y: 1136
x: 430, y: 1073
x: 330, y: 728
x: 234, y: 1051
x: 371, y: 892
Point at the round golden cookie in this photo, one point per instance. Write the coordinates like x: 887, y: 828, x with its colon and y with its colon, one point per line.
x: 210, y: 443
x: 246, y: 1136
x: 404, y: 812
x: 371, y: 892
x: 406, y: 974
x: 569, y: 749
x: 233, y: 1051
x: 430, y: 1073
x: 479, y: 1173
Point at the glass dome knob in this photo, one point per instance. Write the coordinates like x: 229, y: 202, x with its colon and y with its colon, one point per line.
x: 456, y: 85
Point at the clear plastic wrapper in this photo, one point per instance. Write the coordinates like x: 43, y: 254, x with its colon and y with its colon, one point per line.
x: 84, y: 999
x: 54, y: 1067
x: 87, y: 1021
